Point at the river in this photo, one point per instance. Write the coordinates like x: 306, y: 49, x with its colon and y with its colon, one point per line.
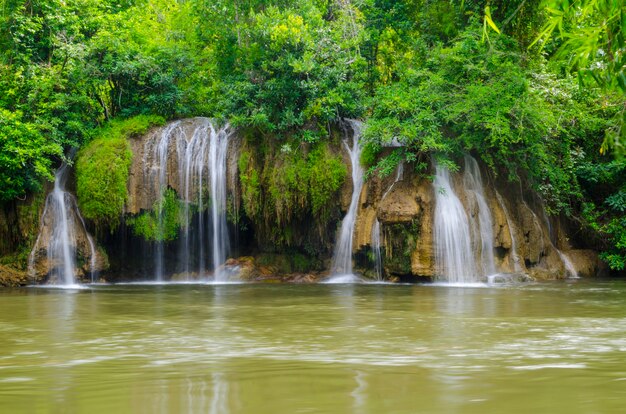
x: 252, y: 348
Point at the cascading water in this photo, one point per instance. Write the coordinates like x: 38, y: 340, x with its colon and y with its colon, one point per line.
x: 217, y: 167
x: 61, y: 251
x: 201, y: 170
x: 473, y: 184
x: 569, y: 267
x: 572, y: 273
x: 452, y: 236
x: 192, y: 155
x: 60, y: 218
x: 342, y: 259
x: 160, y: 151
x: 92, y: 245
x: 399, y: 176
x: 376, y: 249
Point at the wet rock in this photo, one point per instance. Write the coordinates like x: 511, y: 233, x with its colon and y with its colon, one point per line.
x: 244, y: 267
x: 587, y: 263
x: 10, y: 277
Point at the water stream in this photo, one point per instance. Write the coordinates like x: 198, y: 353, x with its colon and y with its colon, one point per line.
x: 474, y: 189
x: 378, y: 261
x: 59, y: 221
x: 452, y: 235
x: 399, y: 177
x: 199, y: 160
x: 342, y: 258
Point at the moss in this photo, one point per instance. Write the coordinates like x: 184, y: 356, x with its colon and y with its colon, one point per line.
x: 401, y: 240
x: 250, y: 185
x: 305, y: 183
x: 290, y: 191
x: 289, y: 262
x: 103, y: 166
x: 369, y: 154
x: 18, y: 259
x: 130, y: 127
x: 326, y: 176
x: 148, y: 225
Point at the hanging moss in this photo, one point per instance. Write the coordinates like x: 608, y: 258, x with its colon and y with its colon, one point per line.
x: 147, y: 225
x: 290, y: 187
x: 401, y: 239
x: 103, y: 166
x: 250, y: 185
x: 326, y: 175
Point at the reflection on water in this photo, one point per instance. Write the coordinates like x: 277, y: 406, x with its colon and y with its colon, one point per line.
x: 359, y: 394
x: 316, y: 348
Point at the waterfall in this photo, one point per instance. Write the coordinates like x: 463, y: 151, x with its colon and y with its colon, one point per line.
x: 92, y: 245
x: 59, y: 222
x: 217, y: 167
x: 61, y: 249
x: 570, y: 270
x: 452, y: 236
x: 200, y: 166
x: 514, y: 256
x: 399, y: 176
x: 473, y: 184
x: 376, y: 249
x: 342, y: 259
x: 160, y: 154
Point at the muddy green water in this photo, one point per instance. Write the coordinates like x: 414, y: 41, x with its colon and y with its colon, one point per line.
x: 540, y: 348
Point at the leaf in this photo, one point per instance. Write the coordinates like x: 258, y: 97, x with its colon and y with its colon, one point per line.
x: 490, y: 21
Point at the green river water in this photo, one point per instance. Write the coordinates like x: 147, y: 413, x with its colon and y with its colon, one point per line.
x: 251, y: 348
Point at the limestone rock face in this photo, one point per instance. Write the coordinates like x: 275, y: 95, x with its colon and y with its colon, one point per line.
x: 402, y: 204
x: 151, y: 149
x: 587, y: 262
x: 525, y: 239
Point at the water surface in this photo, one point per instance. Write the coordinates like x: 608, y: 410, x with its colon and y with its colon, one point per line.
x: 244, y: 348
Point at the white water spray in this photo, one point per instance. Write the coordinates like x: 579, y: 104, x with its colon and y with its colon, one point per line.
x: 201, y: 168
x: 452, y: 237
x: 60, y: 217
x: 399, y: 177
x: 473, y: 185
x: 217, y: 167
x: 342, y: 259
x: 376, y: 249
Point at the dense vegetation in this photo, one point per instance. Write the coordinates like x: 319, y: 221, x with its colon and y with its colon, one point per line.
x: 536, y: 88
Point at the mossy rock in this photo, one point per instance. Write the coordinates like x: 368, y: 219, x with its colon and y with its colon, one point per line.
x: 103, y: 167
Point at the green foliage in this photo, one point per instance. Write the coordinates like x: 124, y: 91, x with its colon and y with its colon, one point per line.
x: 163, y: 222
x: 24, y: 156
x: 604, y: 184
x: 283, y: 66
x: 102, y: 169
x: 475, y: 96
x: 432, y: 75
x: 128, y: 128
x: 592, y: 38
x: 250, y: 185
x: 286, y: 185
